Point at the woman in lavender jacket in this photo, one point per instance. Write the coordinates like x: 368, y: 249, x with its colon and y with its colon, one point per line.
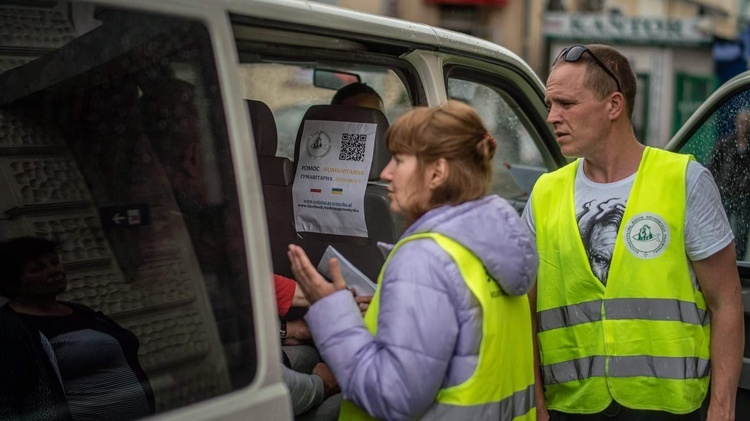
x: 429, y: 324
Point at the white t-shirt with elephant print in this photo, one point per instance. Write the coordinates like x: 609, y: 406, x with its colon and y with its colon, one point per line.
x: 600, y: 207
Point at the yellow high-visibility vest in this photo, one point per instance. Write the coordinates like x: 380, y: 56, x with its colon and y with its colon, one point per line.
x: 643, y: 340
x: 502, y: 387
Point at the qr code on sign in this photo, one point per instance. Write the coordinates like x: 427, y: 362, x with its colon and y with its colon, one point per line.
x: 353, y: 147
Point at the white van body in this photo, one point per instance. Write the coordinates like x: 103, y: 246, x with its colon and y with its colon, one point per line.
x: 190, y: 276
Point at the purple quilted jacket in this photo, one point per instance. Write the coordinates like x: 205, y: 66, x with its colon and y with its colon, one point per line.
x: 429, y: 324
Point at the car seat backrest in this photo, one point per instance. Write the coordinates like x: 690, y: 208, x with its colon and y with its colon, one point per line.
x: 362, y: 251
x: 274, y: 170
x: 276, y: 174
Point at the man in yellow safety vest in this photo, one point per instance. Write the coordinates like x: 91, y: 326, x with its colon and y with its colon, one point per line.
x: 638, y: 299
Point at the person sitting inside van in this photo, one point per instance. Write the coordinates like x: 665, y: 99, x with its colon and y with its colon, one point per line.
x: 61, y: 360
x: 358, y: 94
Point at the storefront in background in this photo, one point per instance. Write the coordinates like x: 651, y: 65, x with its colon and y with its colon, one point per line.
x: 671, y: 57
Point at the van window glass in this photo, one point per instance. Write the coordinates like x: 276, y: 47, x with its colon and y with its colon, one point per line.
x: 722, y: 145
x: 289, y: 90
x: 113, y: 142
x: 517, y: 163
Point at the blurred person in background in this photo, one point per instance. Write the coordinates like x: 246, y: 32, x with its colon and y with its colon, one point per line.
x: 358, y: 94
x: 729, y: 163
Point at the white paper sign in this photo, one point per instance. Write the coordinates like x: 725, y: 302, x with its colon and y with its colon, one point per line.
x: 332, y: 170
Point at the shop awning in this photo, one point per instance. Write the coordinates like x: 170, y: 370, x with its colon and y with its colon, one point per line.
x: 469, y: 2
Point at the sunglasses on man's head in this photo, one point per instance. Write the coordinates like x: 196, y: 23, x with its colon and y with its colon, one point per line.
x: 574, y: 53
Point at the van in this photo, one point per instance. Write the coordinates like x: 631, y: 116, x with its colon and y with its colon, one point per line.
x: 157, y: 142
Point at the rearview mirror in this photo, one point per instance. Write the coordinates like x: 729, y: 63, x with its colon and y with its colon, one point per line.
x: 333, y: 79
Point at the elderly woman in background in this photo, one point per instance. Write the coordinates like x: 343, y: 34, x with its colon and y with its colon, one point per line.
x: 448, y: 332
x: 61, y: 360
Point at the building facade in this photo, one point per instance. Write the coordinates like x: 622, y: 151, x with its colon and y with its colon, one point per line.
x: 669, y: 44
x: 514, y: 24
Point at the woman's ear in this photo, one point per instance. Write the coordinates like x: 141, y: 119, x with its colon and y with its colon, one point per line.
x: 437, y: 173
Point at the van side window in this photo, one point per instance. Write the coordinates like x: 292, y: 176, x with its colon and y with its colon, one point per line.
x: 289, y: 90
x: 518, y: 161
x: 114, y: 143
x: 722, y: 144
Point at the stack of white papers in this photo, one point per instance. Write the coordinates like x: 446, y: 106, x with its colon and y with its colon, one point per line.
x: 354, y: 277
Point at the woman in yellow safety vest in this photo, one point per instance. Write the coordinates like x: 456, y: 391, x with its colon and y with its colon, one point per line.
x: 448, y: 332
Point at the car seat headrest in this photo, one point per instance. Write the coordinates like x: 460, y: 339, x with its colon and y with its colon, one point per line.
x: 350, y: 114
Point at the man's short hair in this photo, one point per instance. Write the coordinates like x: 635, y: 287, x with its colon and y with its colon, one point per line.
x: 600, y: 82
x: 351, y: 90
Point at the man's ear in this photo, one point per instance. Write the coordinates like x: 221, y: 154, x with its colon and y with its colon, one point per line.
x: 616, y: 105
x: 438, y: 173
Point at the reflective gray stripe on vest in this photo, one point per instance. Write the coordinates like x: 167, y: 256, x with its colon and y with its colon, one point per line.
x: 660, y: 367
x: 634, y: 366
x: 515, y: 405
x: 661, y: 309
x: 655, y: 309
x: 571, y: 315
x: 568, y: 371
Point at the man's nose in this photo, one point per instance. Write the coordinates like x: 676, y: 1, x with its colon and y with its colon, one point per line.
x: 554, y: 115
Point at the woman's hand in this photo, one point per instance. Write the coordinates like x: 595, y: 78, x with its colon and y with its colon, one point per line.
x: 313, y: 284
x: 363, y: 302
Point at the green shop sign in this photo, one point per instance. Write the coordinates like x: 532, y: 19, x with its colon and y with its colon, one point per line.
x: 635, y: 30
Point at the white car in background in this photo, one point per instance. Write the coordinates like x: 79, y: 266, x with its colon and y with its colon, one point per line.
x: 191, y: 274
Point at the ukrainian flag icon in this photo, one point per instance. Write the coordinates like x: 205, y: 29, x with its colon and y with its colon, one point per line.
x: 337, y: 190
